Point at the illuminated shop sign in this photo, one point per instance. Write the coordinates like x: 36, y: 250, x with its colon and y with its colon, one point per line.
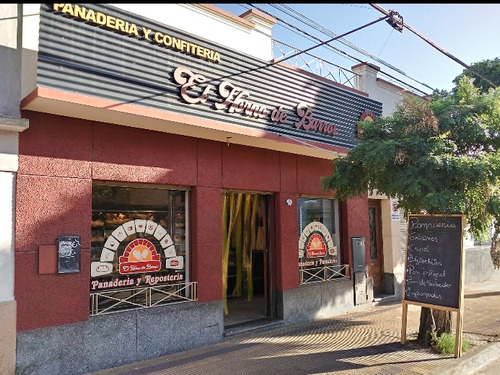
x: 237, y: 100
x: 140, y: 32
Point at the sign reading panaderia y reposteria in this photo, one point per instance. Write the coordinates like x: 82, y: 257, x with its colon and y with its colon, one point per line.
x: 101, y: 51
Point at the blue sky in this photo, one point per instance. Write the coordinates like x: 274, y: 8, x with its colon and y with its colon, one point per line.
x: 469, y: 32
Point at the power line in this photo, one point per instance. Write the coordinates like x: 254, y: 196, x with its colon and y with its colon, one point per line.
x: 300, y: 17
x: 387, y: 13
x: 304, y: 51
x: 334, y: 38
x: 345, y: 53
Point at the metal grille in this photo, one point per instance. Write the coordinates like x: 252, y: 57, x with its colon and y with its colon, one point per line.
x: 313, y: 64
x: 326, y: 273
x: 141, y: 298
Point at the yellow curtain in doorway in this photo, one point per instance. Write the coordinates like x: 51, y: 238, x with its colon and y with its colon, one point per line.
x: 249, y: 238
x: 244, y: 237
x: 237, y: 290
x: 239, y: 221
x: 231, y: 202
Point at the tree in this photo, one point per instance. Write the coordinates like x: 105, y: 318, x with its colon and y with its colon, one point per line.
x: 487, y: 68
x: 439, y: 155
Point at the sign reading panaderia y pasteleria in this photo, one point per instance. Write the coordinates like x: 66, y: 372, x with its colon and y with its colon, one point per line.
x: 101, y: 51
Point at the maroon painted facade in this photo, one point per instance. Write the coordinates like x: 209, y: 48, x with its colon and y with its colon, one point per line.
x: 59, y: 158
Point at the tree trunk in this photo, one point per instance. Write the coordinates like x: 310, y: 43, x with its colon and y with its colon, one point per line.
x: 495, y: 245
x: 441, y: 324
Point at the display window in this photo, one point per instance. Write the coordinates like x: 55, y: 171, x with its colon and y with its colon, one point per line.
x: 139, y: 248
x: 319, y: 241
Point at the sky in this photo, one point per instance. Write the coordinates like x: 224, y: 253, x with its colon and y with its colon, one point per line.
x: 468, y: 32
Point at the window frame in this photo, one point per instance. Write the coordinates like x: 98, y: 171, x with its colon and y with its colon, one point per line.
x: 321, y: 268
x: 164, y: 243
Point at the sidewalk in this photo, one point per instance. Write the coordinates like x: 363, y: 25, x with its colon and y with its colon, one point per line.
x: 366, y: 342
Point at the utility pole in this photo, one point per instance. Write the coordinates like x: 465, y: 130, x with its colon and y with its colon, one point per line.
x: 390, y: 20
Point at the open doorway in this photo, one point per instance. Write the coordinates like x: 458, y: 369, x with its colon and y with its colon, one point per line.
x: 245, y: 257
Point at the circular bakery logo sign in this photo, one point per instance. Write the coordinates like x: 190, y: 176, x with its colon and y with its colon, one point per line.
x: 365, y: 116
x: 139, y: 257
x: 316, y: 241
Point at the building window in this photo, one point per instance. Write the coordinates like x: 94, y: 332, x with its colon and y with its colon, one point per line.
x: 139, y: 248
x: 319, y: 239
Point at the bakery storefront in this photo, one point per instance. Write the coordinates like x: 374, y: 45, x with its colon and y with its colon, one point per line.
x: 169, y: 193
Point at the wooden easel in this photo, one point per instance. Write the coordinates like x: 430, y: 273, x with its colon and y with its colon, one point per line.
x: 459, y: 323
x: 460, y: 301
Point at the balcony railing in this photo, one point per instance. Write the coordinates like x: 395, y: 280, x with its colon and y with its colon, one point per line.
x: 312, y: 64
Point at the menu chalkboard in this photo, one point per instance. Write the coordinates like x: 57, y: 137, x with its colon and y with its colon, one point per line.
x: 434, y: 260
x: 69, y: 248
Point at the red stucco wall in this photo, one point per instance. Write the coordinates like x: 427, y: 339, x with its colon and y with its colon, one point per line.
x: 356, y: 224
x: 53, y: 197
x: 58, y: 159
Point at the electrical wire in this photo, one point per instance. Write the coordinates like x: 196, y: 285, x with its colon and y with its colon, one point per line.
x: 302, y: 18
x: 382, y: 10
x: 350, y: 56
x: 274, y: 62
x: 297, y: 30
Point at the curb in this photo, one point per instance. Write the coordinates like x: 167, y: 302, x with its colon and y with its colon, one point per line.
x: 469, y: 364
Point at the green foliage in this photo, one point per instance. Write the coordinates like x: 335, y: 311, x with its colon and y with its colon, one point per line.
x: 438, y: 155
x: 21, y: 371
x: 487, y: 68
x: 446, y: 343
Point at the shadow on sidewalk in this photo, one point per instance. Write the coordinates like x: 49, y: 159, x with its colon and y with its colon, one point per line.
x: 480, y: 295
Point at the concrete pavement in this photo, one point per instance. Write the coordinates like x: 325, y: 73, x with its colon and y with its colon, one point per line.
x: 364, y: 342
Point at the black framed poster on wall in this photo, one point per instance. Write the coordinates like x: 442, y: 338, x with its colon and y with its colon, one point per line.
x: 68, y: 254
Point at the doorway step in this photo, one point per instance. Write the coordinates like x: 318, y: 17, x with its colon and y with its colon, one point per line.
x: 380, y: 299
x: 254, y: 326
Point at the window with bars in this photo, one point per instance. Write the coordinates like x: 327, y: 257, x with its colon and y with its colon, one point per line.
x: 319, y: 239
x: 139, y: 248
